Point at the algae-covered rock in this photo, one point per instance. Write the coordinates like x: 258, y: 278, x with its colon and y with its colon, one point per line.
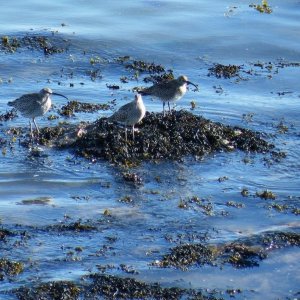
x: 176, y: 135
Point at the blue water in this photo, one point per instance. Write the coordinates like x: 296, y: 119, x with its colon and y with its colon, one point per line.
x: 188, y: 37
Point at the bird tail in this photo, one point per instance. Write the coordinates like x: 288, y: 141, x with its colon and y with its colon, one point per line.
x: 10, y: 103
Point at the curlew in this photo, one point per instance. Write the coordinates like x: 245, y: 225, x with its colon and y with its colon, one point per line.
x: 34, y: 105
x: 169, y: 91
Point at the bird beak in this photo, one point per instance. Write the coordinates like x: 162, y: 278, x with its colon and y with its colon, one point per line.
x: 60, y: 95
x: 196, y: 86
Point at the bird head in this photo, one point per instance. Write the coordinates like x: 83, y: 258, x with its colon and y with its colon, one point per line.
x: 48, y: 91
x: 183, y: 79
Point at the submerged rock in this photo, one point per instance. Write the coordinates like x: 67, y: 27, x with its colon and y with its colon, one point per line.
x: 178, y: 134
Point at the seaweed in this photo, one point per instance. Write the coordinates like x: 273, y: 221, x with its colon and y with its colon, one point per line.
x: 263, y: 7
x: 74, y: 106
x: 128, y: 288
x: 9, y: 115
x: 142, y: 66
x: 48, y: 45
x: 266, y: 195
x: 225, y: 71
x: 77, y: 226
x: 4, y: 233
x: 184, y: 256
x: 103, y: 286
x: 172, y: 137
x: 244, y: 253
x: 10, y: 268
x: 132, y: 177
x: 241, y: 255
x: 55, y: 290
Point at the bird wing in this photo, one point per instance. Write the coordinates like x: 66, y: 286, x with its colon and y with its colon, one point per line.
x: 27, y: 100
x: 121, y: 114
x: 165, y: 90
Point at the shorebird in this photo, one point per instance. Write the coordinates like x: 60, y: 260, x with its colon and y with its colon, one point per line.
x: 169, y: 91
x: 34, y: 105
x: 130, y: 114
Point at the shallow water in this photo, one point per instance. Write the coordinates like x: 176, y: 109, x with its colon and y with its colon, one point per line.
x: 188, y: 37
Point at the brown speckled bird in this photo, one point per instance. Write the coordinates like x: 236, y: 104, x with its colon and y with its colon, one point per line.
x: 169, y: 91
x: 130, y: 114
x: 34, y: 105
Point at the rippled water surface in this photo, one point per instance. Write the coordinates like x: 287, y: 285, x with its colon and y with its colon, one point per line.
x: 188, y: 37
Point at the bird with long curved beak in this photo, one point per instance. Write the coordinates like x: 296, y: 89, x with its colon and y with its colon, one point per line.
x: 34, y: 105
x: 169, y: 91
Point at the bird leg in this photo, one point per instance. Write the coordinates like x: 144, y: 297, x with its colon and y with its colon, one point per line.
x: 31, y: 132
x: 169, y: 106
x: 164, y: 103
x: 133, y: 132
x: 36, y: 126
x: 126, y: 134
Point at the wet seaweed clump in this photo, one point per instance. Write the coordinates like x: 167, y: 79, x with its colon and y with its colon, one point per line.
x: 187, y: 255
x: 74, y: 106
x: 159, y: 78
x: 263, y: 7
x: 296, y: 211
x: 223, y: 71
x: 266, y: 195
x: 55, y: 290
x: 10, y: 115
x: 142, y: 66
x: 9, y: 44
x: 176, y: 135
x: 279, y: 239
x: 49, y: 45
x: 48, y: 134
x: 36, y: 201
x: 103, y: 286
x: 77, y: 226
x: 196, y: 203
x: 241, y: 255
x: 4, y: 233
x: 132, y: 177
x: 10, y: 268
x: 112, y: 287
x: 113, y: 86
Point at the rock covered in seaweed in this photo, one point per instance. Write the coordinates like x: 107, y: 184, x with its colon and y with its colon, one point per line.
x: 171, y: 137
x: 174, y: 136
